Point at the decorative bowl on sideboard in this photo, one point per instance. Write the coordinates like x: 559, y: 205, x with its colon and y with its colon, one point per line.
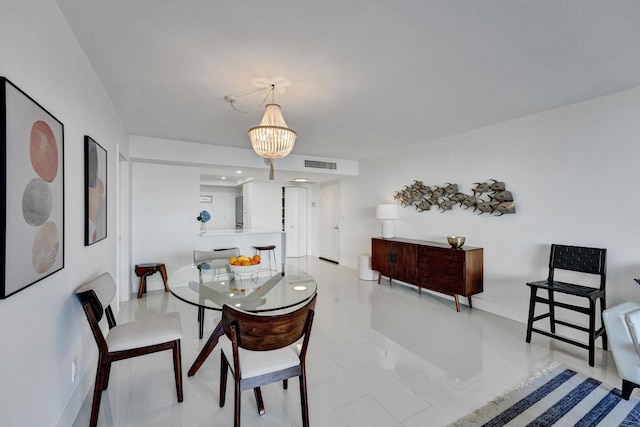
x: 456, y: 241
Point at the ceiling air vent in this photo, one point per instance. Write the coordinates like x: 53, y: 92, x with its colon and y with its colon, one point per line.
x: 320, y: 165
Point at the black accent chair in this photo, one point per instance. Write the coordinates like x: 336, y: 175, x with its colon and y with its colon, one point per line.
x: 581, y: 260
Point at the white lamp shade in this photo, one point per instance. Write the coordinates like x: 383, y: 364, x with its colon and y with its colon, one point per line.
x: 387, y: 211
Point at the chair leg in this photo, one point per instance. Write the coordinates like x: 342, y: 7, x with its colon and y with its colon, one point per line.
x: 224, y: 368
x: 177, y: 368
x: 163, y: 273
x: 552, y: 312
x: 627, y: 388
x: 592, y: 332
x: 285, y: 383
x: 532, y: 307
x: 97, y: 394
x: 142, y: 286
x: 259, y: 402
x: 105, y: 376
x: 236, y: 404
x: 303, y: 398
x: 201, y: 320
x: 603, y: 307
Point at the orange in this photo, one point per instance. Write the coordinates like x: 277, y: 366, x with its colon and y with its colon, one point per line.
x: 245, y: 263
x: 256, y: 258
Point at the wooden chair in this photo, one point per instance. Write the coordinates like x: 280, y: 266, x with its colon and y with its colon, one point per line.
x: 575, y: 259
x: 263, y: 351
x: 216, y: 259
x: 127, y: 340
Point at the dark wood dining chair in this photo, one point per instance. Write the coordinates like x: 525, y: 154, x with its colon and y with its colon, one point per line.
x: 264, y: 349
x: 136, y: 338
x: 589, y: 261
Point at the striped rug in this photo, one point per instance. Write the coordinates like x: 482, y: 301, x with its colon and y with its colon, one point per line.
x: 558, y: 397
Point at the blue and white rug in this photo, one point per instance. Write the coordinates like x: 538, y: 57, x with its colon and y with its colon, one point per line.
x: 558, y: 397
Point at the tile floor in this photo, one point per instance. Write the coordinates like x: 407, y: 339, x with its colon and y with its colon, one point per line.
x: 380, y: 355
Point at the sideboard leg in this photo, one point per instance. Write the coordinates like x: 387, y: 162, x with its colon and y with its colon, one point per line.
x: 455, y: 296
x: 469, y: 298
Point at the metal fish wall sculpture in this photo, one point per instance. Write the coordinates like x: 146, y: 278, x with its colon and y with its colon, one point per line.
x: 486, y: 197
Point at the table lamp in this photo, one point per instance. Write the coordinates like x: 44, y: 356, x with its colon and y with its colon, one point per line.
x: 387, y: 213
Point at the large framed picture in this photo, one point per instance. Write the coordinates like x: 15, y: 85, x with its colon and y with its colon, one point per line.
x: 95, y: 192
x: 32, y: 163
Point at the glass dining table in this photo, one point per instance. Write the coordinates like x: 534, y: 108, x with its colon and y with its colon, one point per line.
x: 208, y: 289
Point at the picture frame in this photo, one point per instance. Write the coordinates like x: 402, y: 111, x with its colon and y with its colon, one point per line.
x: 32, y: 164
x: 95, y: 192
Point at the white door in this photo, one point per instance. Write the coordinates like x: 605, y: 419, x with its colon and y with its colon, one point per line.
x: 329, y: 222
x: 295, y: 220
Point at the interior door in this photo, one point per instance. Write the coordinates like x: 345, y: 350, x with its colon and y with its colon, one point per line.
x: 330, y: 222
x: 295, y: 221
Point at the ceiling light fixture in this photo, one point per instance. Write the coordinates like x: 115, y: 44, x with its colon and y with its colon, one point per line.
x: 271, y: 139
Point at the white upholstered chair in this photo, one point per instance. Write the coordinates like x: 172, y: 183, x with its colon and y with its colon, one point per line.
x: 136, y: 338
x: 623, y: 331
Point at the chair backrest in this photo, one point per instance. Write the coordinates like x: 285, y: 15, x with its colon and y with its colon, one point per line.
x: 200, y: 256
x: 96, y: 296
x: 98, y: 292
x: 262, y: 333
x: 580, y: 259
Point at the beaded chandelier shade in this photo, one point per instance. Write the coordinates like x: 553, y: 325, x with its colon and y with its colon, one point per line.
x: 271, y: 139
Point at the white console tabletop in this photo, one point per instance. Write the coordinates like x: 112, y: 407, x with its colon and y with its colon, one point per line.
x: 245, y: 239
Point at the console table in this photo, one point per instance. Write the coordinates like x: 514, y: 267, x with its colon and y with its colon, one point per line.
x: 430, y: 265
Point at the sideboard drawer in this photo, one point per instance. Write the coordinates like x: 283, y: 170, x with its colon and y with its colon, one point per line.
x: 441, y: 266
x: 441, y: 253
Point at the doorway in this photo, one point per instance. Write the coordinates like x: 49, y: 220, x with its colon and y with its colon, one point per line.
x: 330, y: 222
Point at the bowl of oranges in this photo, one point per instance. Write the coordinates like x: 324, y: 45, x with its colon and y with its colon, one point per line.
x: 244, y: 265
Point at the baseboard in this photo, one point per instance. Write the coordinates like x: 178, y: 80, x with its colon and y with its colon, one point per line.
x: 328, y: 260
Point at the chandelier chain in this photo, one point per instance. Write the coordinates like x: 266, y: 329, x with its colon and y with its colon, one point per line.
x: 252, y: 112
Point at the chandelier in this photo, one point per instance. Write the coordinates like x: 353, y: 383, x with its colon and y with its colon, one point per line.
x: 271, y: 139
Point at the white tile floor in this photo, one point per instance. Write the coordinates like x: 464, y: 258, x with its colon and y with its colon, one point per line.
x: 379, y: 355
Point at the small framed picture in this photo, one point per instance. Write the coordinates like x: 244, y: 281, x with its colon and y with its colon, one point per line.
x: 95, y: 192
x: 206, y: 199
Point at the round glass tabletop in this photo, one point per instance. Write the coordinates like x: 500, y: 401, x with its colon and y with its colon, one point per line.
x: 211, y: 289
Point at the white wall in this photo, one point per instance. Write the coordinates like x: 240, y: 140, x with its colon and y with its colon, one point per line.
x: 164, y: 226
x: 43, y: 328
x: 262, y: 206
x: 222, y: 207
x: 573, y: 173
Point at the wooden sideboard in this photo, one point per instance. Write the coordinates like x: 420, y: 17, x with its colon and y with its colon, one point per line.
x: 430, y: 265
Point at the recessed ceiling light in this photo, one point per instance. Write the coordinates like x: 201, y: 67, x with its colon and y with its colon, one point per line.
x: 300, y: 180
x: 238, y: 171
x: 224, y: 177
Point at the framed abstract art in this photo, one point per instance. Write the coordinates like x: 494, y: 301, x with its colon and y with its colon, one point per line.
x: 95, y: 192
x: 32, y: 163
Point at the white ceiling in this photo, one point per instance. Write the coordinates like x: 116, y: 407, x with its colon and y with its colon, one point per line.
x: 357, y: 77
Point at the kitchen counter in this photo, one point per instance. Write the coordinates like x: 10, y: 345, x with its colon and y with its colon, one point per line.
x: 244, y: 240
